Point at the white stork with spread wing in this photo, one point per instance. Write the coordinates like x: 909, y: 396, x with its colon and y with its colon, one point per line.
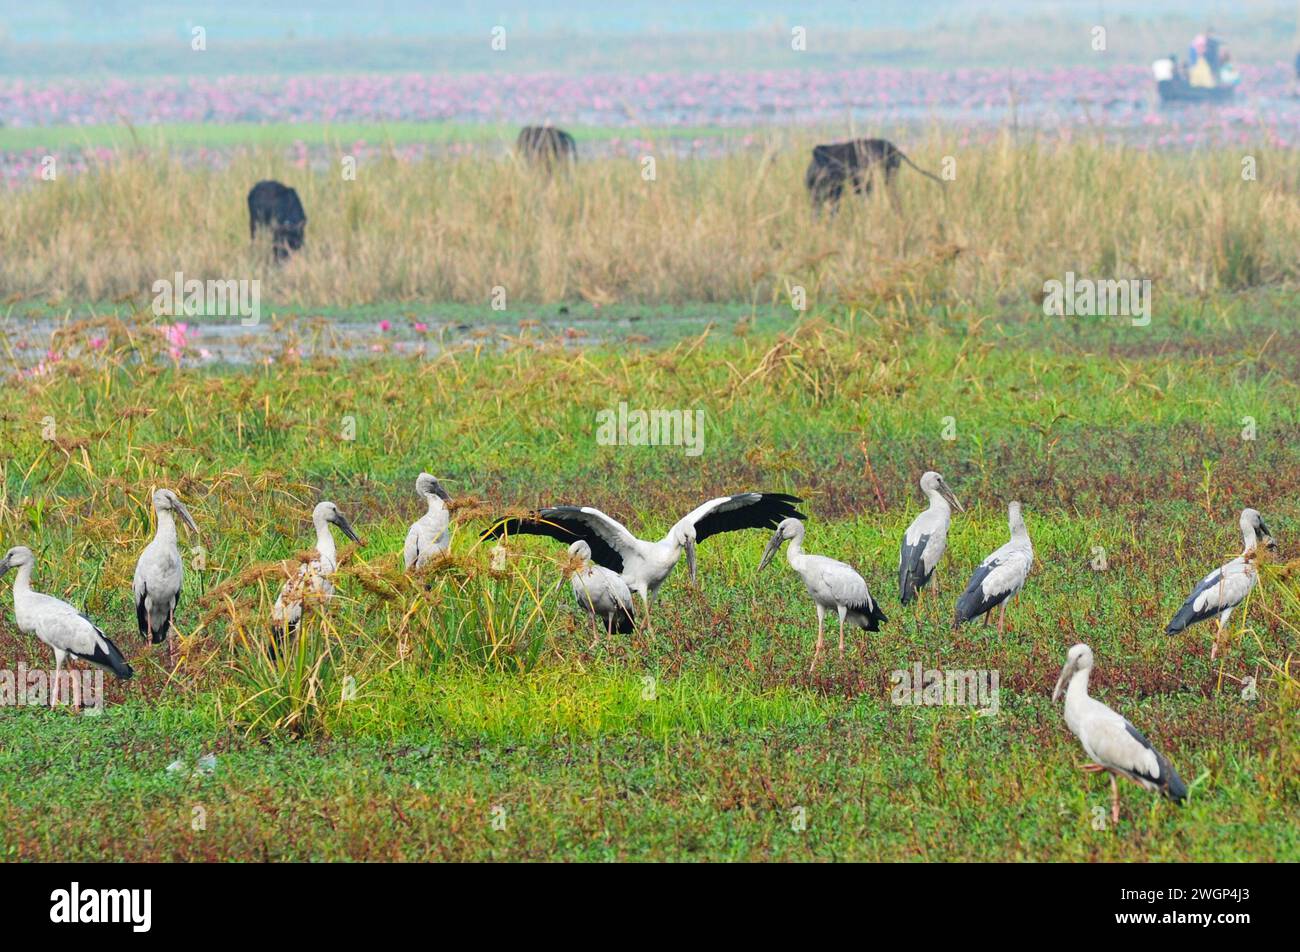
x: 645, y: 565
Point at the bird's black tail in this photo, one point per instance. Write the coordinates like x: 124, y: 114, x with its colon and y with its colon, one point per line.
x: 624, y: 624
x: 109, y: 657
x: 909, y: 583
x: 1186, y: 616
x: 869, y: 616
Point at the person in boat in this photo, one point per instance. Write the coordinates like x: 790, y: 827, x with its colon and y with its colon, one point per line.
x: 1206, y: 57
x: 1166, y: 71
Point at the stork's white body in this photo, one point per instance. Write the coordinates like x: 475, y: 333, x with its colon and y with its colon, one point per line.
x: 605, y: 596
x: 1112, y: 742
x: 1105, y: 735
x: 832, y: 585
x: 311, y: 584
x: 926, y: 538
x: 1000, y: 576
x: 1227, y: 586
x: 58, y: 625
x: 159, y: 575
x: 429, y: 536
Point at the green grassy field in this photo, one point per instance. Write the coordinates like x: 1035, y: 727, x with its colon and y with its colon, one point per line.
x: 463, y: 715
x: 251, y: 135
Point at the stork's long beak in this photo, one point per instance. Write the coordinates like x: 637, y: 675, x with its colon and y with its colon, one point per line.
x: 773, y: 546
x: 952, y: 500
x: 1268, y: 536
x: 185, y: 515
x: 4, y: 566
x: 690, y: 558
x: 342, y: 522
x: 1066, y: 673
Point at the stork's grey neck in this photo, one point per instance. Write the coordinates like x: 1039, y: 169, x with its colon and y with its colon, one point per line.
x: 1018, y: 530
x: 794, y: 551
x: 436, y: 504
x: 23, y: 579
x: 1248, y: 538
x: 166, y: 526
x: 1077, y: 689
x: 670, y: 539
x: 937, y: 501
x: 329, y: 554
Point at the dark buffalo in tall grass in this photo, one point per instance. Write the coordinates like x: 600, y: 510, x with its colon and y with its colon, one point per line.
x: 546, y: 146
x: 276, y: 206
x: 855, y: 164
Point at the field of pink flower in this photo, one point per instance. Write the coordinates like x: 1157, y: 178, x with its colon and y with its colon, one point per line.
x: 1119, y: 98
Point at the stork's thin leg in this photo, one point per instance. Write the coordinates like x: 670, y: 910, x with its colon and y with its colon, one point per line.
x: 171, y: 638
x: 817, y: 651
x: 1114, y: 799
x: 1002, y: 617
x: 843, y: 612
x: 1091, y: 768
x: 1218, y: 633
x: 76, y: 688
x: 988, y: 618
x: 54, y: 689
x: 645, y: 604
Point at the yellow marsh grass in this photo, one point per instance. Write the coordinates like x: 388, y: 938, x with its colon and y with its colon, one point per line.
x: 721, y: 229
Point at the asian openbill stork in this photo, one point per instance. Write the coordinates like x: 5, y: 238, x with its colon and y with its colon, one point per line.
x: 428, y: 536
x: 1113, y: 743
x: 833, y: 585
x: 601, y: 593
x: 68, y: 632
x: 999, y: 576
x: 159, y: 573
x: 926, y: 538
x: 311, y: 583
x: 1227, y: 586
x: 645, y: 565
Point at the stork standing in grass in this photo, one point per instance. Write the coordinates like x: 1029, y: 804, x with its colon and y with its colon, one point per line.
x: 429, y: 535
x: 311, y: 583
x: 645, y: 565
x: 926, y: 538
x: 159, y: 574
x: 68, y: 632
x: 1227, y: 586
x: 999, y: 576
x: 601, y: 593
x: 833, y: 585
x: 1113, y: 743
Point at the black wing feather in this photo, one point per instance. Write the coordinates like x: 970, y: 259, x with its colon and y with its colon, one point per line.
x: 142, y: 618
x: 912, y: 576
x: 765, y: 513
x: 1187, y: 614
x: 565, y: 523
x: 1170, y: 784
x: 110, y: 659
x: 868, y: 615
x: 973, y: 602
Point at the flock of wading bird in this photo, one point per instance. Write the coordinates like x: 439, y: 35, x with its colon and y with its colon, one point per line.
x: 609, y: 566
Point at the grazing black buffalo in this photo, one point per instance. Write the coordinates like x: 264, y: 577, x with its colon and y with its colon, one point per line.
x: 275, y: 206
x: 841, y: 163
x: 546, y: 146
